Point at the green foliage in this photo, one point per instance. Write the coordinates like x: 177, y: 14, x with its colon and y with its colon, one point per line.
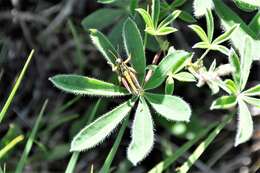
x: 81, y: 85
x: 15, y: 87
x: 30, y: 141
x: 247, y: 5
x: 176, y: 65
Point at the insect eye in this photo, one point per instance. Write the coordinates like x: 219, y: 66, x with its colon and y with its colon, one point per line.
x: 118, y: 60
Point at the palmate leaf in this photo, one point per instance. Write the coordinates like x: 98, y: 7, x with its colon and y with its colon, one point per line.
x: 155, y: 11
x: 254, y: 91
x: 245, y: 123
x: 200, y: 32
x: 184, y: 77
x: 103, y: 45
x: 168, y: 63
x: 171, y: 107
x: 170, y: 18
x: 226, y: 36
x: 234, y: 61
x: 228, y: 19
x: 210, y: 25
x: 142, y: 134
x: 224, y: 102
x: 101, y: 18
x: 134, y: 46
x: 246, y: 62
x: 252, y: 101
x: 146, y: 17
x: 81, y: 85
x: 165, y: 31
x: 94, y: 133
x: 169, y: 85
x: 247, y: 5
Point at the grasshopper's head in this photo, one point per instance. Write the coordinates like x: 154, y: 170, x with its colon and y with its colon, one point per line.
x: 119, y: 60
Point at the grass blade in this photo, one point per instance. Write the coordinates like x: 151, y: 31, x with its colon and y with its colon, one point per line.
x: 10, y: 145
x: 16, y: 86
x: 160, y: 167
x: 203, y: 146
x: 29, y: 142
x: 73, y: 160
x: 112, y: 153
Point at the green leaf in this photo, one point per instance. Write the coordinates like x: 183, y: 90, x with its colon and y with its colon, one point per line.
x: 184, y: 77
x: 210, y: 25
x: 220, y: 48
x: 171, y: 61
x: 165, y: 31
x: 169, y: 85
x: 232, y: 86
x: 248, y: 5
x: 245, y: 123
x: 133, y: 6
x: 252, y: 101
x: 29, y: 143
x: 16, y: 86
x: 228, y: 19
x: 101, y: 18
x: 254, y: 25
x: 254, y: 91
x: 106, y: 1
x: 201, y: 45
x: 113, y: 150
x: 103, y: 45
x: 163, y: 165
x: 81, y: 85
x: 177, y: 3
x: 234, y: 61
x: 134, y: 46
x: 10, y: 145
x: 146, y: 16
x: 155, y: 11
x: 203, y: 146
x: 169, y: 18
x: 142, y: 134
x: 246, y: 62
x: 187, y: 17
x: 97, y: 131
x: 201, y: 6
x: 224, y: 102
x: 200, y: 32
x: 226, y: 36
x: 163, y: 104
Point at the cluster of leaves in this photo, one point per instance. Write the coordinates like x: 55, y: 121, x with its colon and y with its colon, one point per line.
x: 175, y: 65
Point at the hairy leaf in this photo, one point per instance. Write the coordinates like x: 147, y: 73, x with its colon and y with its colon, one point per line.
x: 155, y: 11
x: 101, y: 18
x: 172, y: 60
x: 224, y: 102
x: 142, y: 134
x: 248, y: 5
x: 94, y: 133
x: 228, y: 19
x: 226, y: 36
x: 200, y: 32
x: 246, y: 62
x: 234, y: 61
x: 134, y: 46
x: 210, y: 25
x: 170, y: 18
x: 169, y: 85
x: 245, y: 123
x: 200, y: 7
x: 103, y: 45
x: 252, y: 101
x: 184, y: 77
x: 254, y: 91
x: 81, y: 85
x: 146, y: 16
x: 171, y: 107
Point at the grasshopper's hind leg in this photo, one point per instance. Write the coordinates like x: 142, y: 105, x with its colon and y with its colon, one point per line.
x: 124, y: 82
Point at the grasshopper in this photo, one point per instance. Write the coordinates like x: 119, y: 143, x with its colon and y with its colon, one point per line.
x: 126, y: 74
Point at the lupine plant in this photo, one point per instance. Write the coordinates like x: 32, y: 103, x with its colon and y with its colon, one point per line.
x: 137, y: 79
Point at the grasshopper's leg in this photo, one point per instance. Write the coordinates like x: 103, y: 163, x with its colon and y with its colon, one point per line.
x: 134, y: 79
x: 128, y: 59
x: 132, y: 70
x: 124, y: 81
